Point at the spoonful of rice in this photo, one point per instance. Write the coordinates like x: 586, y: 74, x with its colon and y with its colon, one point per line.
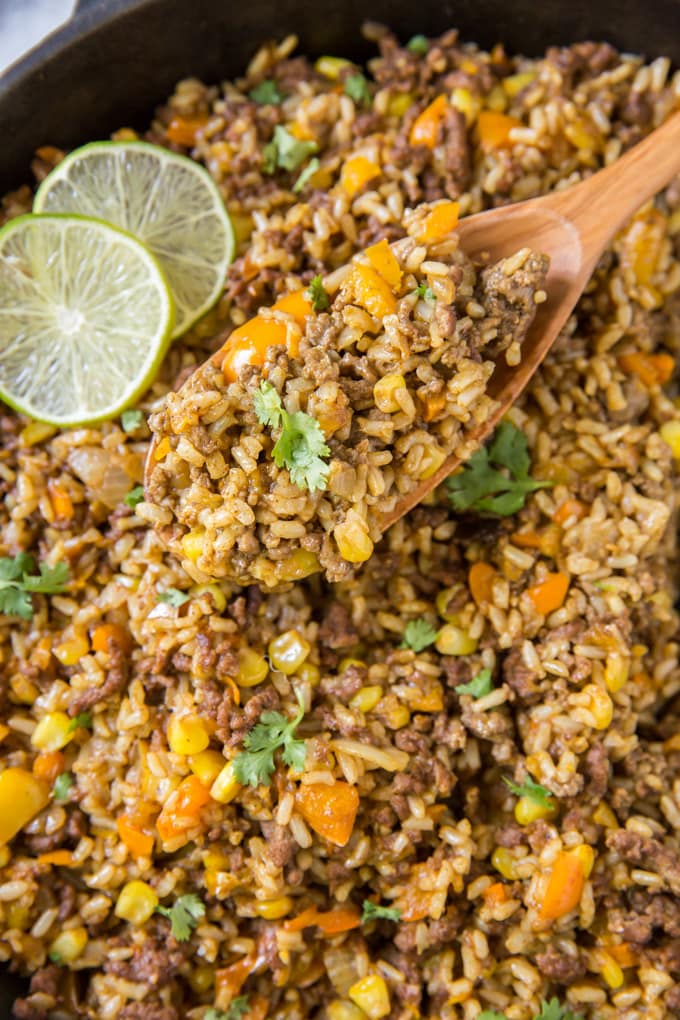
x: 329, y: 415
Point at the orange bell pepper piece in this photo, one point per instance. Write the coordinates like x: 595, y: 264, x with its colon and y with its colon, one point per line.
x: 139, y: 843
x: 570, y: 508
x: 440, y: 222
x: 565, y: 887
x: 182, y: 808
x: 183, y: 130
x: 494, y: 895
x: 384, y: 262
x: 230, y: 980
x: 109, y: 633
x: 494, y: 129
x: 367, y: 288
x: 329, y: 810
x: 549, y: 594
x: 248, y: 344
x: 61, y: 501
x: 480, y: 579
x: 651, y: 369
x: 333, y: 922
x: 60, y: 858
x: 48, y: 765
x: 356, y: 172
x: 425, y: 127
x: 527, y: 539
x: 624, y: 955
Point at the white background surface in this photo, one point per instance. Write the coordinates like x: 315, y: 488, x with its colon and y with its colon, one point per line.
x: 23, y: 23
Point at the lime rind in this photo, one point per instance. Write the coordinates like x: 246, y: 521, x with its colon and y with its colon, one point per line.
x: 168, y: 202
x: 85, y: 319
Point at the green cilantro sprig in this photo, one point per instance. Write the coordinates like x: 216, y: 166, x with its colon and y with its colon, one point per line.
x: 62, y: 786
x: 479, y: 685
x: 306, y: 174
x: 285, y: 152
x: 134, y: 496
x: 238, y: 1007
x: 496, y: 478
x: 375, y: 912
x: 318, y: 295
x: 131, y: 419
x: 266, y: 93
x: 18, y: 580
x: 173, y: 597
x: 356, y: 87
x: 426, y: 293
x: 530, y: 789
x: 254, y: 765
x: 82, y: 721
x: 551, y: 1010
x: 418, y: 634
x: 418, y: 44
x: 184, y: 915
x: 491, y: 1014
x: 301, y: 444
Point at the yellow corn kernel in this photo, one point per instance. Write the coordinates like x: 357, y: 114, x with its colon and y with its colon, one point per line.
x: 397, y: 717
x: 670, y: 433
x: 398, y: 104
x: 586, y: 855
x: 187, y: 734
x: 514, y: 83
x: 453, y: 640
x: 527, y: 810
x: 252, y: 668
x: 432, y: 459
x: 288, y: 651
x: 350, y: 661
x: 52, y: 732
x: 372, y: 995
x: 504, y: 862
x: 496, y: 100
x: 610, y: 970
x: 601, y: 706
x: 23, y: 689
x: 273, y: 910
x: 69, y: 945
x: 308, y: 673
x: 201, y: 978
x: 192, y: 544
x: 330, y: 67
x: 214, y: 591
x: 385, y: 390
x: 603, y: 815
x: 226, y: 786
x: 297, y: 565
x: 352, y: 538
x: 5, y: 855
x: 136, y: 902
x: 442, y: 601
x: 466, y: 103
x: 36, y: 432
x: 616, y: 672
x: 71, y: 652
x: 367, y: 698
x: 17, y: 915
x: 206, y: 766
x: 215, y: 860
x: 22, y: 796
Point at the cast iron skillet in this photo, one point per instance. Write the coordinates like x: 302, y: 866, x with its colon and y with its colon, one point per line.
x: 117, y: 58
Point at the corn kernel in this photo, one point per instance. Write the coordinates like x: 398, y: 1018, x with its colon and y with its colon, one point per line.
x: 206, y: 766
x: 226, y: 786
x: 670, y: 433
x: 442, y: 602
x: 397, y: 717
x: 453, y: 640
x: 496, y: 100
x: 616, y: 672
x: 36, y: 432
x: 372, y: 995
x: 610, y: 971
x: 136, y: 902
x: 603, y: 815
x: 528, y: 810
x: 353, y: 541
x: 399, y: 104
x: 192, y: 544
x: 187, y: 734
x: 601, y: 706
x: 330, y: 67
x: 367, y: 698
x: 586, y: 856
x: 273, y: 910
x: 69, y: 945
x: 52, y: 732
x: 17, y: 915
x: 214, y: 591
x: 298, y: 564
x: 201, y: 978
x: 432, y: 459
x: 466, y: 103
x: 71, y: 652
x: 288, y: 651
x: 504, y: 862
x: 385, y: 390
x: 514, y: 83
x: 340, y: 1009
x: 23, y: 689
x: 252, y: 668
x: 22, y: 796
x: 350, y: 661
x: 308, y: 673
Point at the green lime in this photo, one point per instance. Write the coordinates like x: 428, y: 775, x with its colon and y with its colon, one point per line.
x: 85, y: 319
x: 166, y: 201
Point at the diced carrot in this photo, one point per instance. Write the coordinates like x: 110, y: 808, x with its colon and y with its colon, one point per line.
x: 651, y: 369
x: 183, y: 130
x: 333, y: 922
x: 329, y: 810
x: 61, y: 501
x: 295, y: 304
x: 107, y: 634
x: 48, y: 765
x: 570, y: 508
x: 366, y: 288
x: 433, y: 405
x: 494, y: 895
x: 624, y: 954
x: 480, y: 579
x: 565, y: 887
x: 494, y: 129
x: 439, y: 222
x: 549, y: 594
x: 384, y: 262
x: 230, y: 980
x: 182, y: 808
x: 60, y: 858
x: 425, y: 128
x: 304, y: 920
x: 527, y: 539
x: 356, y: 172
x: 139, y: 843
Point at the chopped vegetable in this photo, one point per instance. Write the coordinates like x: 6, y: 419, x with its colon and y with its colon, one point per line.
x: 81, y: 721
x: 131, y: 419
x: 564, y: 887
x: 418, y: 44
x: 418, y: 634
x: 496, y: 479
x: 553, y: 1011
x: 330, y: 922
x: 134, y: 496
x: 479, y: 685
x: 22, y: 796
x: 549, y: 594
x: 301, y: 444
x: 356, y: 172
x: 237, y: 1008
x: 494, y: 129
x: 306, y: 174
x: 530, y: 789
x: 18, y: 580
x: 140, y: 844
x: 181, y: 810
x: 318, y: 295
x: 254, y: 766
x: 439, y: 222
x: 183, y: 130
x: 426, y: 293
x: 267, y: 93
x: 48, y: 765
x: 184, y: 915
x: 329, y: 810
x: 481, y: 580
x: 491, y: 1014
x: 62, y: 786
x: 375, y: 912
x: 425, y: 128
x: 367, y: 288
x: 651, y: 369
x: 285, y: 152
x: 356, y: 87
x: 173, y: 597
x: 385, y: 263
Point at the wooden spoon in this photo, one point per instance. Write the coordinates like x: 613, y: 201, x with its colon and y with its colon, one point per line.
x: 573, y: 226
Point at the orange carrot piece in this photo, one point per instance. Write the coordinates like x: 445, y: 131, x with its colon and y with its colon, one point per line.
x: 60, y: 500
x: 441, y: 221
x: 384, y: 262
x: 182, y: 808
x: 48, y: 765
x: 527, y: 539
x: 570, y: 508
x: 480, y: 579
x: 564, y: 889
x: 183, y: 130
x: 549, y: 594
x: 333, y: 922
x: 304, y: 920
x: 107, y: 634
x: 329, y: 810
x: 60, y: 858
x: 494, y: 129
x: 139, y: 843
x: 425, y: 127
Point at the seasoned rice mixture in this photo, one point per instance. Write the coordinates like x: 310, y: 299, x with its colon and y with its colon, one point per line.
x: 222, y: 802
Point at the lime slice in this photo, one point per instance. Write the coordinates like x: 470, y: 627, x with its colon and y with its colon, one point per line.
x: 85, y: 318
x: 166, y: 201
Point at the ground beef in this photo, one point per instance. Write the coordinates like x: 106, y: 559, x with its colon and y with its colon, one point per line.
x: 494, y: 725
x: 281, y: 846
x: 648, y: 853
x: 116, y: 680
x: 649, y: 913
x: 518, y: 676
x: 597, y: 767
x: 581, y: 61
x: 510, y: 835
x: 44, y: 986
x: 148, y: 1011
x: 242, y: 720
x: 337, y: 629
x: 560, y: 966
x: 509, y: 299
x: 155, y: 963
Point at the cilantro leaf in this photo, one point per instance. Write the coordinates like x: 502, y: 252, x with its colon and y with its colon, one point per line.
x: 318, y: 295
x: 131, y: 419
x: 491, y: 1014
x: 81, y: 721
x: 418, y: 44
x: 304, y: 177
x: 530, y: 789
x: 553, y: 1011
x: 479, y: 685
x: 301, y: 444
x: 426, y: 293
x: 51, y: 580
x: 62, y: 786
x: 418, y: 634
x: 184, y: 915
x: 496, y: 479
x: 254, y: 765
x: 18, y: 580
x: 134, y: 496
x: 237, y: 1008
x: 173, y: 597
x: 374, y: 912
x: 356, y: 87
x: 285, y: 152
x: 266, y: 93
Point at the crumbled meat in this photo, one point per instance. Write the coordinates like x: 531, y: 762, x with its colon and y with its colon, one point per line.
x: 560, y: 966
x: 116, y: 680
x: 597, y: 767
x: 337, y: 629
x: 281, y: 846
x: 242, y: 720
x: 153, y: 963
x: 509, y: 299
x: 148, y: 1011
x: 43, y: 995
x: 648, y: 853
